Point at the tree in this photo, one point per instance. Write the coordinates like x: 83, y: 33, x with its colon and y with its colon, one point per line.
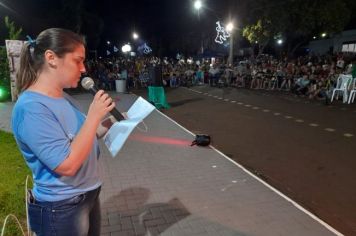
x: 259, y: 33
x: 92, y: 27
x: 71, y: 14
x: 298, y: 21
x: 13, y: 33
x: 10, y: 26
x: 307, y: 18
x: 4, y: 73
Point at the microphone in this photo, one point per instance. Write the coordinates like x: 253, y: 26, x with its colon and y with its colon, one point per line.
x: 88, y: 84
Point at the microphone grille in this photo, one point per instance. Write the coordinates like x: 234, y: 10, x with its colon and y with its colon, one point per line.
x: 87, y: 83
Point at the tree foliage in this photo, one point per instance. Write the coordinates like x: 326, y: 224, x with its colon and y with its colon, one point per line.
x: 92, y: 27
x: 4, y: 68
x: 72, y: 14
x: 296, y: 20
x: 14, y: 33
x: 259, y: 33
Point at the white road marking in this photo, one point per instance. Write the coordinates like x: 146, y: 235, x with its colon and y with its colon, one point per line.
x: 347, y: 135
x: 329, y: 129
x: 330, y: 228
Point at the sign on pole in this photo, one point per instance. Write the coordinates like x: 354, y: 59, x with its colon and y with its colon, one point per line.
x: 13, y: 49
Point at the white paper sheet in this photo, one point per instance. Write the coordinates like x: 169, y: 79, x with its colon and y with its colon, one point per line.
x: 120, y: 131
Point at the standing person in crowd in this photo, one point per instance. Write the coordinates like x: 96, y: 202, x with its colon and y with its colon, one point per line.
x: 57, y: 141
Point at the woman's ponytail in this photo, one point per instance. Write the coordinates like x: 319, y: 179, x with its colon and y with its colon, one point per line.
x: 26, y: 75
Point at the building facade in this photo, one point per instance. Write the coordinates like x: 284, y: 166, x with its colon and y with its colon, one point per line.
x: 342, y: 42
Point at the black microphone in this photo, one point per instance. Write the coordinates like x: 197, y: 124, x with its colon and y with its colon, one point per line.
x: 88, y: 84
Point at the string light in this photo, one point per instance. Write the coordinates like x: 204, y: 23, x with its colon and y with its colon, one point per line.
x: 222, y: 34
x: 144, y: 48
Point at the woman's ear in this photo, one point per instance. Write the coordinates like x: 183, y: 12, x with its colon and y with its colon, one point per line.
x: 50, y: 58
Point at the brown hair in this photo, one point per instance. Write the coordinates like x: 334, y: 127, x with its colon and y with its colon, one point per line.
x: 60, y: 41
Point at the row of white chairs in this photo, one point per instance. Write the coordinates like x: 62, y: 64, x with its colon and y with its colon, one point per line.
x: 345, y: 86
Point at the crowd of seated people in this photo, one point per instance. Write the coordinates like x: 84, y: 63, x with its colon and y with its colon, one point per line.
x: 136, y: 72
x: 311, y: 76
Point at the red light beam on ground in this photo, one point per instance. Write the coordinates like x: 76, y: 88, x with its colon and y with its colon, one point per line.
x: 160, y: 140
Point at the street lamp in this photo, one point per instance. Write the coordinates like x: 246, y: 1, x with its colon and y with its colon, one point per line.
x: 279, y: 41
x: 229, y: 28
x: 198, y: 4
x: 323, y: 35
x: 108, y: 42
x: 134, y: 35
x: 126, y: 48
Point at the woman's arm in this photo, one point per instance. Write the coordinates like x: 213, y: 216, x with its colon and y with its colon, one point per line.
x: 82, y: 144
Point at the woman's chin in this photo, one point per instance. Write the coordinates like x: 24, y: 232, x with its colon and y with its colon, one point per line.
x: 74, y: 85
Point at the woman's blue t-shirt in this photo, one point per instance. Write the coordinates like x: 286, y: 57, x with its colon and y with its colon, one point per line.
x: 44, y: 128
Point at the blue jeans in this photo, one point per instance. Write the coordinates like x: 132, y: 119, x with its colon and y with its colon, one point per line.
x: 77, y: 216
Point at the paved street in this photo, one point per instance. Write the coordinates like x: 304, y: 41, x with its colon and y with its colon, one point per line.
x: 159, y: 185
x: 303, y: 148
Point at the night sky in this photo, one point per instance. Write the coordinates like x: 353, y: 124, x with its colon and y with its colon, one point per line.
x: 158, y: 22
x: 161, y: 20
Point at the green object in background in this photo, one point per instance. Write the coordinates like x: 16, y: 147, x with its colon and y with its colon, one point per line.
x: 157, y: 96
x: 353, y: 70
x: 4, y: 93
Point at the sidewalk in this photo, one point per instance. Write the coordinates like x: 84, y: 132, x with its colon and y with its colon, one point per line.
x: 159, y: 185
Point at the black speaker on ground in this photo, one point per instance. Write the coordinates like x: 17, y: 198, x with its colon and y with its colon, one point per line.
x: 155, y: 74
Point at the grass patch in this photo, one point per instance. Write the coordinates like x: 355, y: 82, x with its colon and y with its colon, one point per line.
x: 13, y: 172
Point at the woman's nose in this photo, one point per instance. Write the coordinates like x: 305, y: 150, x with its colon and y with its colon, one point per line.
x: 82, y: 69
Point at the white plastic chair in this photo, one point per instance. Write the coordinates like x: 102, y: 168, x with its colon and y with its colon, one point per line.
x: 342, y: 85
x: 352, y: 91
